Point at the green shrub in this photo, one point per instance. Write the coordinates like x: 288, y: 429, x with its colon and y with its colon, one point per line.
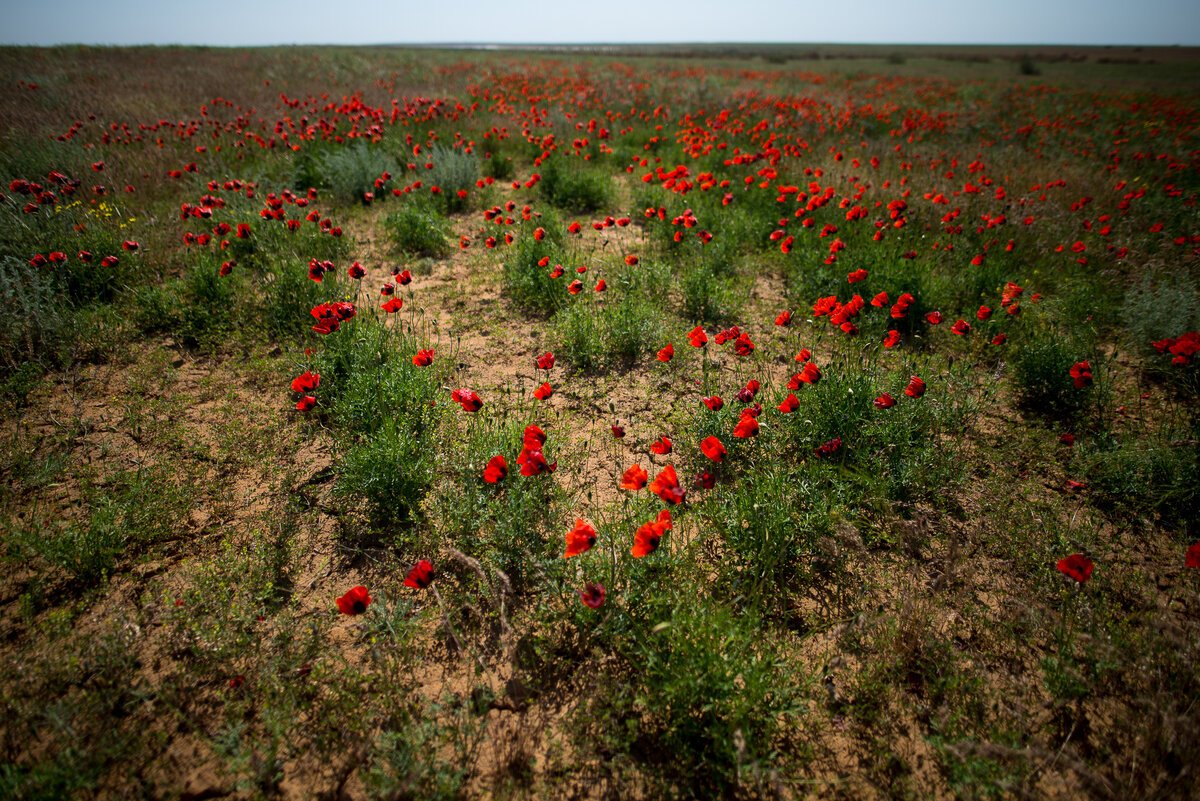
x: 608, y: 334
x: 1041, y: 369
x: 208, y: 305
x: 704, y: 705
x: 768, y: 525
x: 350, y: 171
x: 530, y: 284
x: 289, y: 297
x: 1161, y: 308
x: 706, y: 297
x: 574, y: 189
x: 499, y: 165
x: 454, y: 171
x: 1151, y: 476
x: 33, y: 320
x: 387, y: 410
x: 391, y: 469
x: 417, y: 230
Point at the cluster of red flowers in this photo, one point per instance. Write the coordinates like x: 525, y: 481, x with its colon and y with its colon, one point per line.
x: 1181, y: 348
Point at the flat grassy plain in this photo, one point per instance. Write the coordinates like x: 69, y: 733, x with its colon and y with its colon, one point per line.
x: 901, y: 341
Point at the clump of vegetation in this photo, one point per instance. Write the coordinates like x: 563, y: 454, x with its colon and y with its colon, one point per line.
x: 350, y: 171
x: 416, y: 229
x: 574, y: 189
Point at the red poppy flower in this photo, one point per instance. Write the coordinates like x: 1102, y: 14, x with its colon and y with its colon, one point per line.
x: 667, y: 353
x: 960, y: 327
x: 356, y: 271
x: 662, y: 447
x: 467, y: 399
x: 1076, y: 566
x: 811, y: 374
x: 532, y: 438
x: 999, y: 339
x: 600, y: 286
x: 306, y: 403
x: 790, y: 404
x: 580, y: 539
x: 533, y: 462
x: 804, y: 355
x: 915, y: 388
x: 748, y: 392
x: 392, y: 306
x: 856, y: 276
x: 713, y: 402
x: 631, y: 260
x: 666, y: 486
x: 743, y: 346
x: 130, y: 246
x: 784, y: 318
x: 885, y: 401
x: 592, y: 595
x: 306, y: 382
x: 934, y: 318
x: 544, y: 391
x: 713, y: 449
x: 545, y: 361
x: 880, y: 300
x: 648, y: 535
x: 404, y: 277
x: 424, y: 358
x: 634, y: 478
x: 1081, y: 374
x: 983, y: 313
x: 697, y: 337
x: 496, y: 470
x: 618, y: 431
x: 1066, y: 438
x: 575, y: 227
x: 828, y: 448
x: 746, y: 427
x: 421, y: 575
x: 355, y: 601
x: 1192, y: 557
x: 575, y: 287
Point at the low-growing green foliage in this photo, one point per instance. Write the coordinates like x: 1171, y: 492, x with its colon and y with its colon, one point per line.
x: 608, y: 334
x: 1041, y: 368
x: 574, y: 189
x: 526, y: 279
x: 710, y: 704
x: 417, y: 230
x: 33, y: 319
x: 349, y: 171
x: 455, y: 171
x: 133, y: 510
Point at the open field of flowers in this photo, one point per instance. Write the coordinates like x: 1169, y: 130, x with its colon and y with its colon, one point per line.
x: 407, y: 424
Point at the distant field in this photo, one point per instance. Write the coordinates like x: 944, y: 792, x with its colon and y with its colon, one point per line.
x: 697, y: 421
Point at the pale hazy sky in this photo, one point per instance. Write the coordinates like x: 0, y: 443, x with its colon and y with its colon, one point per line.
x: 255, y: 22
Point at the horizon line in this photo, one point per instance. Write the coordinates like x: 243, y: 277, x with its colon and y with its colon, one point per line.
x: 694, y: 43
